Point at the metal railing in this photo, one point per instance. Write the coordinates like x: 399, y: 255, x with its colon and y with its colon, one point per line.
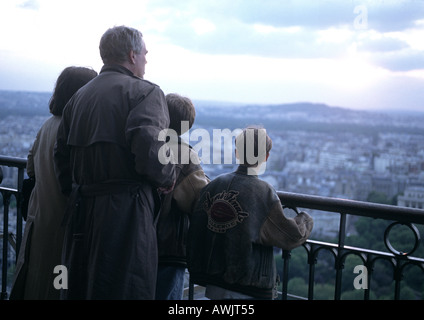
x: 397, y: 259
x: 332, y: 206
x: 9, y: 237
x: 340, y: 251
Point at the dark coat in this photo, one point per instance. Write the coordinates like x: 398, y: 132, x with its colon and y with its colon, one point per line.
x: 107, y: 148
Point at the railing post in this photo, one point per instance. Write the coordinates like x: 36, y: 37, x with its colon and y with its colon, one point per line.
x: 397, y: 277
x: 286, y: 258
x: 339, y: 260
x: 6, y: 203
x: 312, y: 260
x: 339, y: 272
x: 369, y: 275
x: 19, y: 201
x: 342, y: 230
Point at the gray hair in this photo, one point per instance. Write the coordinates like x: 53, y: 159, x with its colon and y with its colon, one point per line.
x: 117, y: 42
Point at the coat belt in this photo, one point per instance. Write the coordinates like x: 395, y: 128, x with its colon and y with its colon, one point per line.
x: 97, y: 189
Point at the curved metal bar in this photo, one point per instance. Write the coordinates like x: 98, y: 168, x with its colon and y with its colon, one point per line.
x: 345, y: 253
x: 389, y: 246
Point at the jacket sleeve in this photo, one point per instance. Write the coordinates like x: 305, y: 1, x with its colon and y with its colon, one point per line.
x: 30, y: 158
x: 187, y: 192
x: 145, y: 121
x: 286, y: 233
x: 62, y: 157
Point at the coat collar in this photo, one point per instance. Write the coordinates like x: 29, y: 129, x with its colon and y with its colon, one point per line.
x: 116, y: 68
x: 244, y: 170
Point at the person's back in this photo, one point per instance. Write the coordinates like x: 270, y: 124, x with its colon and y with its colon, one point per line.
x: 107, y: 149
x: 41, y: 248
x: 178, y: 205
x: 237, y: 221
x: 113, y: 107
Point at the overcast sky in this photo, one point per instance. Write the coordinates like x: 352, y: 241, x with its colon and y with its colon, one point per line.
x: 350, y: 53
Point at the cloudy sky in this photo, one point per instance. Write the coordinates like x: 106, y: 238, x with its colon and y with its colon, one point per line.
x: 350, y: 53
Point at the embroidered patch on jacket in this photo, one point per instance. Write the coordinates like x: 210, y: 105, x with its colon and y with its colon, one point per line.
x: 224, y: 211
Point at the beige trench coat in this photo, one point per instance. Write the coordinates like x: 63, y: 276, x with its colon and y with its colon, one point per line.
x: 43, y: 235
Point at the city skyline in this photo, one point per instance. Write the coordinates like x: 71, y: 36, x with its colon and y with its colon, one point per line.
x: 365, y: 55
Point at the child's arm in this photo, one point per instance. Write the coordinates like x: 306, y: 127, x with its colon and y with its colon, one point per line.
x: 285, y: 233
x: 187, y: 192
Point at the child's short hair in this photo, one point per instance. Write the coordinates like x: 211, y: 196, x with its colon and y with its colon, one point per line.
x: 180, y: 109
x: 252, y: 145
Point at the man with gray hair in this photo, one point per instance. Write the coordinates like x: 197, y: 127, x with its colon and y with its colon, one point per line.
x: 106, y: 160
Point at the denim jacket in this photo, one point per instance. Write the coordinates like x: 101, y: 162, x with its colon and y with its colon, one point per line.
x: 235, y: 225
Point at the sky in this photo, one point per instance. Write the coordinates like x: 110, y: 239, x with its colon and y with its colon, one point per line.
x: 357, y: 54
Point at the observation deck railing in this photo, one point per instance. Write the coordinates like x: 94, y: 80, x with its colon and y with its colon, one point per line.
x: 11, y: 239
x: 399, y: 260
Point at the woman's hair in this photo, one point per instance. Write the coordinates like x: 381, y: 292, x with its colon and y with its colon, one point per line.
x: 68, y: 82
x: 180, y: 109
x: 117, y: 42
x: 252, y: 145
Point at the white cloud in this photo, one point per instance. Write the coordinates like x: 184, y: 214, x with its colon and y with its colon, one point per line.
x: 202, y: 26
x: 273, y: 51
x: 335, y: 35
x: 30, y: 4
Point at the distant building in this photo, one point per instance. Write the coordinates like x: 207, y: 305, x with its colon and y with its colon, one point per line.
x: 385, y: 184
x: 334, y: 159
x: 413, y: 197
x: 382, y: 164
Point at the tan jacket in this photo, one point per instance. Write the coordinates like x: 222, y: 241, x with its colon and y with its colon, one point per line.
x: 177, y: 206
x: 41, y: 246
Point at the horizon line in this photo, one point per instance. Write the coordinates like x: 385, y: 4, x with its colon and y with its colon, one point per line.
x: 238, y: 103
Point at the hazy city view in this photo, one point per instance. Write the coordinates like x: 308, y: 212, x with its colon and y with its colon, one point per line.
x: 317, y: 149
x: 338, y: 85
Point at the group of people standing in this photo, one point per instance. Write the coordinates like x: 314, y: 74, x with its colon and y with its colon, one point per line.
x: 123, y: 223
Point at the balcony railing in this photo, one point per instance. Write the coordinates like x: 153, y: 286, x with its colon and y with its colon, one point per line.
x: 339, y: 208
x: 342, y: 208
x: 11, y: 239
x: 397, y: 259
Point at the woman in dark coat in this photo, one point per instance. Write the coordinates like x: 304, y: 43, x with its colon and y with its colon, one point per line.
x: 41, y: 247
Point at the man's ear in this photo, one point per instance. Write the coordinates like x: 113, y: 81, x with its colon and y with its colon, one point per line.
x: 267, y: 155
x: 131, y: 57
